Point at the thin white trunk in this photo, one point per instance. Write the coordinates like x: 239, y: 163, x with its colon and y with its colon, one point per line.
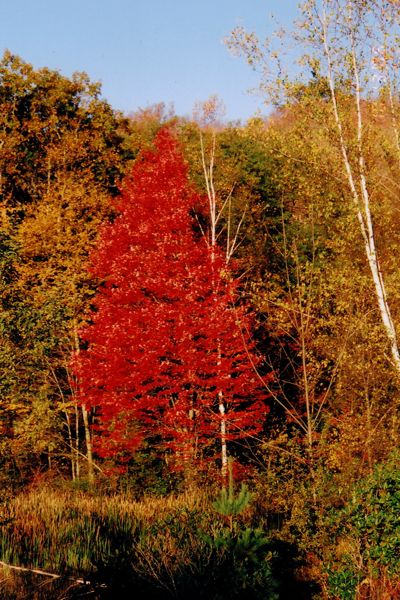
x: 224, y: 448
x: 232, y: 242
x: 77, y: 451
x: 214, y: 217
x: 85, y: 417
x: 88, y: 440
x: 361, y: 199
x: 208, y: 171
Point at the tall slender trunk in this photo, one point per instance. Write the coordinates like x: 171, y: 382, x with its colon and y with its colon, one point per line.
x: 85, y: 418
x: 77, y: 451
x: 214, y: 217
x: 361, y: 197
x: 71, y: 446
x: 223, y: 432
x: 88, y: 441
x: 216, y: 211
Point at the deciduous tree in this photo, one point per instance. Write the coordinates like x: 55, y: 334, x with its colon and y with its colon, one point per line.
x: 166, y: 338
x: 346, y: 44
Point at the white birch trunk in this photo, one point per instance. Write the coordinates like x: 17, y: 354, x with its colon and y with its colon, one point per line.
x: 224, y: 448
x: 214, y: 217
x: 361, y: 199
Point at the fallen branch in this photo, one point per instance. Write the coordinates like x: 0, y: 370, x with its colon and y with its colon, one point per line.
x: 45, y: 573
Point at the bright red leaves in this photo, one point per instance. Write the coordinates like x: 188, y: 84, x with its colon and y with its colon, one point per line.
x: 167, y: 345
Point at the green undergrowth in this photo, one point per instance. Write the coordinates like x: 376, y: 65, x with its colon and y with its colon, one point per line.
x: 364, y: 562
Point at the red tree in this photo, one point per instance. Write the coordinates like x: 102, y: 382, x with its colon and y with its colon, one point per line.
x: 168, y: 352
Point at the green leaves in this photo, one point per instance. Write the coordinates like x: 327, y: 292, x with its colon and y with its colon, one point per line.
x: 368, y: 531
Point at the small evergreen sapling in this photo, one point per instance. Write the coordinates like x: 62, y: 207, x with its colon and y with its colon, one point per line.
x: 228, y: 504
x: 244, y: 552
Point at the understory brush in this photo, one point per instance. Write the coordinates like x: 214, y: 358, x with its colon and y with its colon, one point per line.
x: 364, y: 560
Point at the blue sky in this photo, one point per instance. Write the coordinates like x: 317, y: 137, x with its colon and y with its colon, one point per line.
x: 145, y: 51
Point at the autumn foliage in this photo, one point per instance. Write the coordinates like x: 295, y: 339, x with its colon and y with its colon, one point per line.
x: 167, y: 344
x: 164, y: 371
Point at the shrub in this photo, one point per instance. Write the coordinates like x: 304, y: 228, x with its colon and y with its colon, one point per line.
x: 366, y: 560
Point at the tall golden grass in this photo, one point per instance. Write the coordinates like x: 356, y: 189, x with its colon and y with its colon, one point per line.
x: 75, y: 533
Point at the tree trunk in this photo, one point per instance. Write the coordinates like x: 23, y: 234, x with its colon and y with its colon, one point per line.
x: 85, y: 416
x: 88, y: 440
x: 361, y: 199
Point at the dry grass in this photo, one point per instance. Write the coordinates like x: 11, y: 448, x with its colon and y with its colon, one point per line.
x: 170, y: 547
x: 49, y: 504
x: 76, y: 533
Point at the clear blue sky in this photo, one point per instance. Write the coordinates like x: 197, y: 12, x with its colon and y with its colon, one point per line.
x: 145, y: 51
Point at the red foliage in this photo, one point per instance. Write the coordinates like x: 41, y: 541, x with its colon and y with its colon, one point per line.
x: 166, y: 340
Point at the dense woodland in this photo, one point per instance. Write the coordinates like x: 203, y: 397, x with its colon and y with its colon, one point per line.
x: 200, y: 369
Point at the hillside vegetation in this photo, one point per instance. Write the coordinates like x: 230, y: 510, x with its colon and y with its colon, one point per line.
x: 200, y: 369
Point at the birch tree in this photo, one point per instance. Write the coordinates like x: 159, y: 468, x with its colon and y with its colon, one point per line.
x: 347, y: 43
x: 207, y: 113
